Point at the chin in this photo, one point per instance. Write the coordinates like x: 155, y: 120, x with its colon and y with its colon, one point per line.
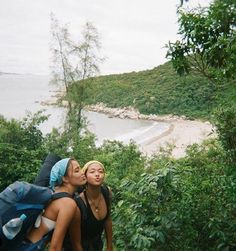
x: 97, y: 184
x: 83, y: 183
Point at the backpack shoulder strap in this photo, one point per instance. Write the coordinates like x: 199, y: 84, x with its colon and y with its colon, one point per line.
x: 81, y: 205
x: 59, y: 195
x: 107, y: 196
x: 56, y: 196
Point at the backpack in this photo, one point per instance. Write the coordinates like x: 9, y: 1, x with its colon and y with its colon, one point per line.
x: 23, y: 198
x: 43, y: 176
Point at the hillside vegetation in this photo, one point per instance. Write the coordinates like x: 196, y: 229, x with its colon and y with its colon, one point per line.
x: 165, y: 204
x: 161, y: 91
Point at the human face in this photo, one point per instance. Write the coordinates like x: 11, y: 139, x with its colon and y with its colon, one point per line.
x: 75, y: 175
x: 95, y: 174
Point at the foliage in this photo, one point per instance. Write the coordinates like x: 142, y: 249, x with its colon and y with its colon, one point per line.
x: 121, y: 161
x: 206, y: 51
x: 185, y: 204
x: 165, y: 204
x: 88, y: 66
x: 208, y: 41
x: 21, y: 149
x: 225, y: 120
x: 161, y: 91
x: 73, y: 62
x: 142, y: 198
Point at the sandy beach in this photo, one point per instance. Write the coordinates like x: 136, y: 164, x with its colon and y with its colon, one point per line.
x: 180, y: 134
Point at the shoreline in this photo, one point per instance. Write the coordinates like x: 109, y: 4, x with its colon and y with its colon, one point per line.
x: 131, y: 113
x: 180, y: 134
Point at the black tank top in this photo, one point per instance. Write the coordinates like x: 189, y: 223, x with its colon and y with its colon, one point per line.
x: 92, y: 228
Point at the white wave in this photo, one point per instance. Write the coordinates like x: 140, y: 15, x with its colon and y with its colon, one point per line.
x: 143, y: 134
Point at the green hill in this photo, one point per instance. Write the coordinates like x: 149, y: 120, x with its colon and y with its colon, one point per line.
x: 161, y: 91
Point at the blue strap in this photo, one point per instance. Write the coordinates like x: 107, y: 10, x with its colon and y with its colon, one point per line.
x: 22, y: 206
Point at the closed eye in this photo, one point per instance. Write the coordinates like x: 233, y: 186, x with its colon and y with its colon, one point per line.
x: 77, y: 169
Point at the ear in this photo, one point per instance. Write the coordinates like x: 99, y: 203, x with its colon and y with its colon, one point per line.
x: 65, y: 179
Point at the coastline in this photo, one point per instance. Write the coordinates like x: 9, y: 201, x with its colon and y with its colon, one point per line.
x: 180, y: 134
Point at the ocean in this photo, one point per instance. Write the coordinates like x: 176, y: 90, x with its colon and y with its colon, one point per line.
x: 20, y: 94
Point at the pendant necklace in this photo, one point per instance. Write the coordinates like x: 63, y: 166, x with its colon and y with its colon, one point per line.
x: 96, y: 206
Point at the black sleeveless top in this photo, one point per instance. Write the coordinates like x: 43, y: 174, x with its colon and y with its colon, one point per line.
x: 92, y: 228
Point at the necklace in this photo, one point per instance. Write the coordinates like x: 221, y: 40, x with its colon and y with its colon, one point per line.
x: 96, y: 206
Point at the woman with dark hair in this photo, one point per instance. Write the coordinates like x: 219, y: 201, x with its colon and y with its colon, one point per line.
x: 65, y: 177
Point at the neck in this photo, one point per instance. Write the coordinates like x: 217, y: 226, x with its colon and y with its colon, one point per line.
x: 94, y: 191
x: 65, y: 188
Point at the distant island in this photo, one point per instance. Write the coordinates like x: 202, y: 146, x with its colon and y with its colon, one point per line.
x: 9, y: 73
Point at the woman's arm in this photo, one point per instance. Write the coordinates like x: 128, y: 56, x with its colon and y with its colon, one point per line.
x: 108, y: 225
x: 108, y: 231
x: 75, y: 231
x: 67, y: 208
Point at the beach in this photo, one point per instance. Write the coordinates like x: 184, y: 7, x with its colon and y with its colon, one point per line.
x: 21, y: 93
x: 180, y: 134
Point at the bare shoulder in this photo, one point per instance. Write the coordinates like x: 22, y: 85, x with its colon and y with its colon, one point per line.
x: 66, y: 202
x: 60, y: 206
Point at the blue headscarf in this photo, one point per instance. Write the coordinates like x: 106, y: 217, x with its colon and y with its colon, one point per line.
x: 58, y: 171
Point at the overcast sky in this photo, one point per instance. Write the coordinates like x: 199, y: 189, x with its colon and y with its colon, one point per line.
x: 133, y: 32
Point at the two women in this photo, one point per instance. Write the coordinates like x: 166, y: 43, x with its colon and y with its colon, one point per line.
x: 66, y: 176
x: 61, y: 214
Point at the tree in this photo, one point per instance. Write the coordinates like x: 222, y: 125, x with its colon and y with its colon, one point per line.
x: 62, y: 70
x: 88, y: 59
x: 225, y: 121
x: 208, y: 43
x: 182, y: 2
x: 22, y: 148
x: 74, y: 65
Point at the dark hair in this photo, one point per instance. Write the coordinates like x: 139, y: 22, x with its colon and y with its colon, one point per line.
x: 67, y: 167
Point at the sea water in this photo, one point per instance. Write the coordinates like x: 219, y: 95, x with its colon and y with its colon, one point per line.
x: 20, y: 94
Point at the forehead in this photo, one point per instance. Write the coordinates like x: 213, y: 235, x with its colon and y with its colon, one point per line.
x: 95, y: 166
x: 74, y: 163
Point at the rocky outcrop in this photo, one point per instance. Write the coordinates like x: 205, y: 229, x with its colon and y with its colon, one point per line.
x: 131, y: 113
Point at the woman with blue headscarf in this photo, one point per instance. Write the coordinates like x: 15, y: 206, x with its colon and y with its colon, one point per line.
x: 65, y: 177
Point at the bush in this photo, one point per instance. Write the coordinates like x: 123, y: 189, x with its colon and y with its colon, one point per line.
x: 21, y: 149
x: 225, y: 121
